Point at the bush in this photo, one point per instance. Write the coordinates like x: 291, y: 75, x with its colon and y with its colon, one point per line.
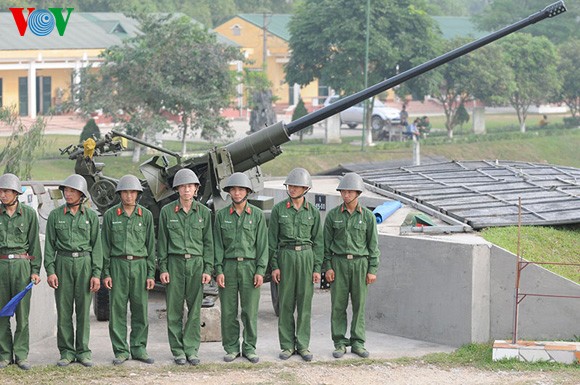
x: 299, y: 112
x: 461, y: 117
x: 572, y: 122
x: 90, y: 130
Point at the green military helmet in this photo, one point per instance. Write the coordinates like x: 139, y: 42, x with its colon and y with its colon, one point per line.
x: 238, y: 179
x: 299, y: 177
x: 11, y: 182
x: 351, y: 181
x: 76, y: 182
x: 129, y: 183
x: 185, y: 176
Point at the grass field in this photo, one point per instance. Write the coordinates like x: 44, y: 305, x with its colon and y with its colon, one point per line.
x: 542, y: 244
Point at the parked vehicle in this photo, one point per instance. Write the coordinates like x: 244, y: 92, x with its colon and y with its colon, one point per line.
x: 353, y: 116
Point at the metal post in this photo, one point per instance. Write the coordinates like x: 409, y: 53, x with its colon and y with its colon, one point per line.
x: 518, y: 270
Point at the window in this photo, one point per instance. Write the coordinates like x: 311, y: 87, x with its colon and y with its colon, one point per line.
x: 236, y: 30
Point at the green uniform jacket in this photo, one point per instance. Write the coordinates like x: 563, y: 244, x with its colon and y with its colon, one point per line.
x: 68, y: 232
x: 19, y: 234
x: 243, y: 236
x: 354, y: 234
x: 185, y: 233
x: 128, y: 235
x: 289, y: 227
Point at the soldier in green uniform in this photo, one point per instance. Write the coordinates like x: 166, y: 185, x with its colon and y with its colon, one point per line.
x: 295, y: 242
x: 351, y: 261
x: 185, y: 254
x: 73, y: 261
x: 129, y: 270
x: 20, y: 261
x: 241, y: 258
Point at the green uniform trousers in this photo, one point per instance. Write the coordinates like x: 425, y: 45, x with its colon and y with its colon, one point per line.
x: 350, y: 279
x: 295, y: 292
x: 129, y: 286
x: 239, y: 277
x: 184, y: 285
x: 73, y: 294
x: 14, y: 276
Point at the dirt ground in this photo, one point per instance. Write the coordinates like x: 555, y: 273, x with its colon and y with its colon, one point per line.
x: 301, y: 373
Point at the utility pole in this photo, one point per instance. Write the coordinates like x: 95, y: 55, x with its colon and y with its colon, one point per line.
x: 367, y: 138
x: 265, y: 42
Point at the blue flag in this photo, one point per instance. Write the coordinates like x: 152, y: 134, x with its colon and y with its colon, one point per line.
x: 9, y: 309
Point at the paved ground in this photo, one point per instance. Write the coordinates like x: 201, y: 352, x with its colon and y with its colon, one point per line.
x: 380, y: 345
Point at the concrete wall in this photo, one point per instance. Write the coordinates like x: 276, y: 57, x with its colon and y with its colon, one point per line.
x: 456, y: 293
x: 540, y: 318
x: 431, y: 290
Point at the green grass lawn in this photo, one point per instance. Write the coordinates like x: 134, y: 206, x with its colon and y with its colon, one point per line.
x: 542, y: 244
x: 499, y: 122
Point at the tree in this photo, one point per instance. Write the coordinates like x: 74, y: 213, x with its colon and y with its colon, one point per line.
x: 90, y: 130
x: 568, y: 70
x: 462, y: 116
x: 533, y: 62
x: 21, y: 149
x: 196, y: 83
x: 299, y: 112
x: 447, y: 7
x: 500, y: 13
x: 118, y: 89
x: 480, y: 74
x: 327, y: 40
x: 174, y: 67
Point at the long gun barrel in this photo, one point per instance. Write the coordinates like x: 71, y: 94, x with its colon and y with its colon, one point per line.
x: 262, y: 146
x: 137, y: 140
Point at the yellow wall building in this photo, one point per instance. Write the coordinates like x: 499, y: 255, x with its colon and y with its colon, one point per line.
x: 247, y: 30
x: 36, y: 72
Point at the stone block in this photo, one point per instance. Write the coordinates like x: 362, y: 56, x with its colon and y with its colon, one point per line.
x: 562, y: 356
x: 479, y: 120
x: 504, y: 353
x: 332, y: 130
x: 534, y: 354
x: 211, y: 323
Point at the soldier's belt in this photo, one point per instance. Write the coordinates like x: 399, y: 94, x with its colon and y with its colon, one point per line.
x: 297, y: 247
x: 74, y: 254
x: 186, y: 256
x: 238, y: 259
x: 129, y: 257
x: 17, y: 256
x: 350, y: 256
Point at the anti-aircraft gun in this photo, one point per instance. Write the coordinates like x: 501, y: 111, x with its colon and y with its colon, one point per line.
x: 246, y: 155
